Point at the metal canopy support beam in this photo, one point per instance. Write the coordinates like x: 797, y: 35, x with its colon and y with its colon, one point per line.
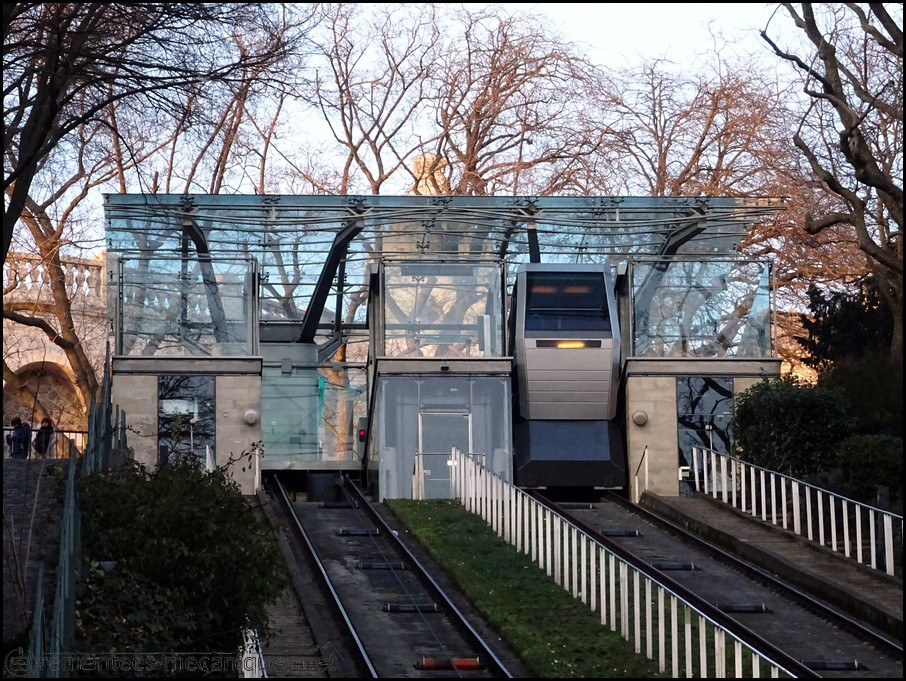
x: 505, y: 243
x: 341, y: 284
x: 326, y: 350
x: 335, y: 257
x: 644, y: 294
x: 532, y: 234
x: 212, y: 292
x: 683, y: 235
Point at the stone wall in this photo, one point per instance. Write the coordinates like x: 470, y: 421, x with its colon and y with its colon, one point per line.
x: 651, y: 390
x: 237, y: 401
x: 655, y: 396
x: 30, y: 353
x: 26, y: 482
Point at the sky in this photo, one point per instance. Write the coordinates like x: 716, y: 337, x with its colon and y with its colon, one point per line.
x: 621, y: 34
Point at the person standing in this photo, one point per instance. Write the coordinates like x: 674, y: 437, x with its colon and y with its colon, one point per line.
x: 44, y: 438
x: 19, y: 440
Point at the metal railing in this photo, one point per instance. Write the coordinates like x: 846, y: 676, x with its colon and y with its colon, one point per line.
x: 58, y: 447
x: 418, y: 478
x: 51, y: 637
x: 636, y: 490
x: 647, y: 613
x: 251, y: 656
x: 869, y: 535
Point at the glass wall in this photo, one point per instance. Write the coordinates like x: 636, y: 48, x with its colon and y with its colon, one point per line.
x: 309, y: 415
x: 442, y: 309
x: 289, y: 238
x: 704, y: 406
x: 429, y: 415
x: 703, y: 308
x: 186, y: 417
x: 185, y: 307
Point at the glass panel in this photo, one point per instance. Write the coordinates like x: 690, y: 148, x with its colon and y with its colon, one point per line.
x: 704, y: 395
x: 566, y: 302
x: 701, y: 309
x: 186, y: 418
x: 310, y: 416
x: 186, y: 307
x: 704, y: 416
x: 437, y: 476
x: 442, y: 309
x: 416, y: 411
x: 441, y: 432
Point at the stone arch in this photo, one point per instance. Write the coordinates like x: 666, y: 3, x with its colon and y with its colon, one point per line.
x: 54, y: 387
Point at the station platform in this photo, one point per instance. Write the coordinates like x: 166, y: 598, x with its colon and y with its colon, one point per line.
x: 859, y: 590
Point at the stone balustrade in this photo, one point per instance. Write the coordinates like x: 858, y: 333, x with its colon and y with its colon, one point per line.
x: 25, y: 276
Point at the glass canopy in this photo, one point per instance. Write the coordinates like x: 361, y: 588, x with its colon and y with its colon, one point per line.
x: 175, y: 249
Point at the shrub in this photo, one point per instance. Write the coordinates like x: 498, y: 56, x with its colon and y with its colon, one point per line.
x: 873, y: 383
x: 177, y: 561
x: 867, y: 461
x: 791, y: 427
x: 841, y: 324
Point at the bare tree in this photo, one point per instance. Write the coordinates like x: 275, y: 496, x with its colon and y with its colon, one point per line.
x: 65, y: 63
x: 711, y: 133
x: 56, y: 216
x: 126, y: 141
x: 513, y: 106
x: 371, y: 90
x: 851, y: 64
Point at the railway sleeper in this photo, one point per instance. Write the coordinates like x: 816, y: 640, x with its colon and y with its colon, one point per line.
x: 462, y: 664
x: 379, y: 565
x: 358, y: 532
x: 425, y: 608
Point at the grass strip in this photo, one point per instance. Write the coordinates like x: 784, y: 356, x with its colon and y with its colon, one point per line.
x: 554, y: 634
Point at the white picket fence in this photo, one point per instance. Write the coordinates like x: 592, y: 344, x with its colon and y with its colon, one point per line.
x: 648, y: 614
x: 251, y: 656
x: 867, y: 534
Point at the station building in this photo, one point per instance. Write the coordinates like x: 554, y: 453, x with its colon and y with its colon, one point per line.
x: 566, y: 342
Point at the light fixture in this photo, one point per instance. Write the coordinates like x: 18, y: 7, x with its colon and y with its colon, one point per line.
x: 571, y: 344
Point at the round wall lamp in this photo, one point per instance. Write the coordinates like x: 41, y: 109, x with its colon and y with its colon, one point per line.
x: 251, y: 417
x: 640, y: 418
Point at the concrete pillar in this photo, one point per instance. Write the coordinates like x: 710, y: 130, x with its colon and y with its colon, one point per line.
x: 655, y: 396
x: 136, y: 394
x: 238, y: 426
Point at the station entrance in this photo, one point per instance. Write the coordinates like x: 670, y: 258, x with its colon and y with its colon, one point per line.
x: 546, y: 335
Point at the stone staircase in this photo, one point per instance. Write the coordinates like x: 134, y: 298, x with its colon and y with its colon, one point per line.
x: 31, y: 530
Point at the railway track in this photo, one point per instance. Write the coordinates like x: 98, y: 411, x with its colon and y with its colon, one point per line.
x: 393, y: 617
x: 827, y: 642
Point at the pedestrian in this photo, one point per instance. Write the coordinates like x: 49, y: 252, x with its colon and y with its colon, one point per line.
x: 19, y: 440
x: 45, y: 438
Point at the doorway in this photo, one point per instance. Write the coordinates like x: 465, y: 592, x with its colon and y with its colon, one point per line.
x: 438, y: 433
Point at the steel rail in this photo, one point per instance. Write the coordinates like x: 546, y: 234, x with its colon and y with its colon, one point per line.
x: 733, y: 626
x: 313, y: 554
x: 458, y: 618
x: 856, y: 626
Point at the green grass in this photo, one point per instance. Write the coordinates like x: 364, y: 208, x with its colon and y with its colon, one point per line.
x: 554, y: 634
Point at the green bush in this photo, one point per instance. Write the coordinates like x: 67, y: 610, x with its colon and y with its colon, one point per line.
x: 790, y: 426
x: 873, y: 383
x: 841, y: 324
x: 867, y: 461
x: 177, y: 561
